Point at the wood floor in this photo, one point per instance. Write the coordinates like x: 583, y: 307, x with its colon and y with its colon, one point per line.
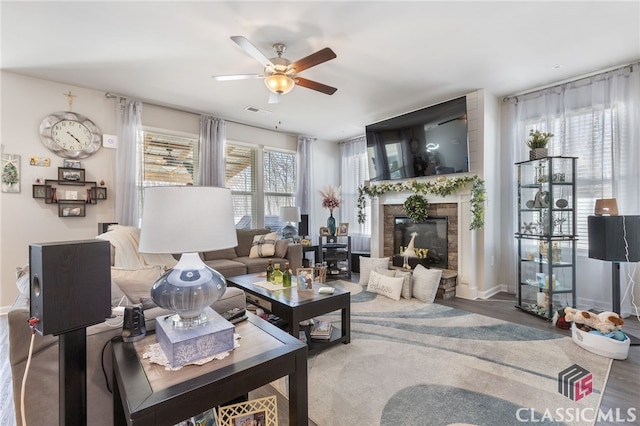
x: 621, y: 392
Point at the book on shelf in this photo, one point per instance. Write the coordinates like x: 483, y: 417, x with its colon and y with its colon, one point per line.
x: 321, y: 330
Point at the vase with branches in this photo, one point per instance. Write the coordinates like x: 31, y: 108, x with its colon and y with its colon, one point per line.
x: 331, y: 200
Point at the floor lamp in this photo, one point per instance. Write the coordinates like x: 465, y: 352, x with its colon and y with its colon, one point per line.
x: 615, y: 239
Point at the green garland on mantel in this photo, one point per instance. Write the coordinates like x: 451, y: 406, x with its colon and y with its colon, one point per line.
x: 442, y: 186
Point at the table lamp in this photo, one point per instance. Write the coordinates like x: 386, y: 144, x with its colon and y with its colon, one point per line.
x: 189, y: 220
x: 289, y: 215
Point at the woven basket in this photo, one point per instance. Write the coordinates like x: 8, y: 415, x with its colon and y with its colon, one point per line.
x: 538, y: 153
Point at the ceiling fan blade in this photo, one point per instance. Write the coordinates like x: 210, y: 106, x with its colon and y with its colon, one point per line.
x: 251, y: 50
x: 237, y: 77
x: 314, y: 59
x: 274, y: 98
x: 314, y: 85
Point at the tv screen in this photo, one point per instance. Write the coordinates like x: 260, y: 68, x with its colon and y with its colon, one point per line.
x: 429, y: 141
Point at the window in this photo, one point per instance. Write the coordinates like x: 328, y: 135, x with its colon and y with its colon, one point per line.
x: 241, y: 179
x: 279, y: 185
x: 168, y: 159
x: 588, y: 135
x: 261, y: 181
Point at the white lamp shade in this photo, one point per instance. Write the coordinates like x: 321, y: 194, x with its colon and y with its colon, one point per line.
x: 186, y: 219
x: 290, y: 214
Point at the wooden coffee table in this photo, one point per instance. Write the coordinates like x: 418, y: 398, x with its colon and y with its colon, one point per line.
x: 295, y: 306
x: 147, y: 394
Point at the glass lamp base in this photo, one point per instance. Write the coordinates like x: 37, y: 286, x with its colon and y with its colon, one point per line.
x: 187, y: 289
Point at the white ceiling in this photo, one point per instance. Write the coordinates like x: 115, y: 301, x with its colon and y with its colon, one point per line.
x: 392, y: 57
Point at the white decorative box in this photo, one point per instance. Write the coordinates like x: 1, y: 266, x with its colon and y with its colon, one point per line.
x: 600, y: 345
x: 184, y: 345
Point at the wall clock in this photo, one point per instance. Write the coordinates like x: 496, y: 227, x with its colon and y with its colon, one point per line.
x: 70, y: 135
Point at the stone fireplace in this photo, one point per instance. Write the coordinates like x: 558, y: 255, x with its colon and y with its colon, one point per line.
x: 446, y: 211
x: 462, y: 246
x: 431, y: 240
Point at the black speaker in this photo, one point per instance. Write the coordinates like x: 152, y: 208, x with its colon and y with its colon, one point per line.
x: 70, y: 284
x: 607, y: 238
x: 303, y: 226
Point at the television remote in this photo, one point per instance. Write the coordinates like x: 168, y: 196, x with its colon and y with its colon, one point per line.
x: 233, y: 313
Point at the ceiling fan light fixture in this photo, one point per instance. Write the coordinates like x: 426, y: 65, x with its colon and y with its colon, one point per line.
x: 279, y: 83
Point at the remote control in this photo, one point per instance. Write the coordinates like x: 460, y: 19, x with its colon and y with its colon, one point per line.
x: 233, y: 313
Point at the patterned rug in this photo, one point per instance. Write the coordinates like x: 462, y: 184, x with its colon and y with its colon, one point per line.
x: 411, y: 363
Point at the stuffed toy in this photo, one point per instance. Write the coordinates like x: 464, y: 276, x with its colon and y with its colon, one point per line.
x: 580, y: 317
x: 605, y: 322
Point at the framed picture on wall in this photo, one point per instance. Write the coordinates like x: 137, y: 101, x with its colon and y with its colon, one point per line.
x: 70, y: 176
x: 71, y: 208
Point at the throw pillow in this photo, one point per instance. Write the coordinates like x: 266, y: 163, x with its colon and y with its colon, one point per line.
x: 263, y: 245
x: 281, y: 249
x: 407, y: 288
x: 245, y: 239
x: 390, y: 287
x: 425, y: 283
x: 385, y: 272
x: 368, y: 264
x: 136, y: 283
x: 23, y: 283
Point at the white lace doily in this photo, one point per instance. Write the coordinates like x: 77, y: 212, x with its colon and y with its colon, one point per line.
x: 156, y: 355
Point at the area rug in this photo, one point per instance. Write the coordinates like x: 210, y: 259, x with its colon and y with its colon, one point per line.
x: 411, y: 363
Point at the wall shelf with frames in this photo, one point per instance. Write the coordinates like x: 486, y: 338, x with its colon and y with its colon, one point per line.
x: 71, y: 202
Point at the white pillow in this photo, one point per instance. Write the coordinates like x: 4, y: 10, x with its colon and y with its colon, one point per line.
x: 368, y: 264
x: 135, y: 283
x: 263, y: 245
x: 390, y: 287
x: 406, y: 284
x: 425, y: 283
x: 23, y: 281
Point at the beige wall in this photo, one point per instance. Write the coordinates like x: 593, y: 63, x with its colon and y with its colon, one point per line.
x: 25, y: 220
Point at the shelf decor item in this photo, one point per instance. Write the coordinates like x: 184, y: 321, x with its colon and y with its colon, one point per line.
x: 331, y: 200
x: 537, y: 144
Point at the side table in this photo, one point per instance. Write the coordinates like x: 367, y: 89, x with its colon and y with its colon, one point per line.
x: 147, y: 394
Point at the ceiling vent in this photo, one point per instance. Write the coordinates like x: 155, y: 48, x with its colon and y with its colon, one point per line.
x: 257, y: 110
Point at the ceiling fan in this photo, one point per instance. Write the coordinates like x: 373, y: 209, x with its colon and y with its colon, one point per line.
x: 280, y: 74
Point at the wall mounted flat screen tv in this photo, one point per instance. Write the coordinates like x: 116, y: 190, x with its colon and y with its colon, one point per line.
x: 429, y: 141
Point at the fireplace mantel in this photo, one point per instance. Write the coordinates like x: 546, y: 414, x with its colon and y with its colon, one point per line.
x: 467, y: 286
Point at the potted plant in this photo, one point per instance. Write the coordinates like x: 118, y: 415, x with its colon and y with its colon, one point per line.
x: 537, y: 144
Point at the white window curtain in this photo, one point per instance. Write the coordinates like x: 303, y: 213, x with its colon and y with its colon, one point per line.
x: 304, y: 184
x: 596, y: 119
x: 213, y: 137
x: 128, y: 128
x: 353, y: 173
